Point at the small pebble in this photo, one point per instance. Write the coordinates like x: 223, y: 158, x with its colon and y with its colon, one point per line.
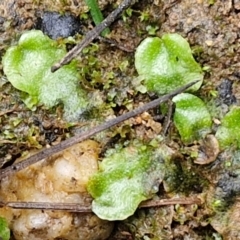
x: 56, y: 25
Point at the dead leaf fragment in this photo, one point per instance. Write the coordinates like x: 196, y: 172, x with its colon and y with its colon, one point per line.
x: 208, y: 150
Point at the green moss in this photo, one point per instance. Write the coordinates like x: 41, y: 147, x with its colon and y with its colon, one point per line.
x: 181, y: 178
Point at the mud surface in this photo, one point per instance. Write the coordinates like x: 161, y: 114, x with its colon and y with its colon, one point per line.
x: 213, y: 30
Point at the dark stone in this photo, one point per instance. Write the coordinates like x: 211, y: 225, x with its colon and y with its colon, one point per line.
x: 2, y: 19
x: 228, y: 186
x: 236, y: 73
x: 56, y: 25
x: 225, y: 92
x: 2, y: 28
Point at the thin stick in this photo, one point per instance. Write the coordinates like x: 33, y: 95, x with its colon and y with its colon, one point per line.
x: 173, y: 201
x: 168, y: 119
x: 70, y: 207
x: 94, y: 33
x: 9, y: 111
x: 85, y: 135
x: 74, y: 207
x: 116, y: 44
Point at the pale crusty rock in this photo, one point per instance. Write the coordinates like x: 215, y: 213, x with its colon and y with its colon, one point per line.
x: 60, y: 179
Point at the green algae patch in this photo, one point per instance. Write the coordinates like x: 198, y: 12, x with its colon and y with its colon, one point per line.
x: 167, y: 63
x: 4, y: 230
x: 228, y: 133
x: 125, y: 179
x: 28, y: 68
x: 191, y: 117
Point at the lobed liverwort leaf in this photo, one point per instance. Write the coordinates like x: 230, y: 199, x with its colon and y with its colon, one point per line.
x: 28, y: 67
x: 167, y: 63
x: 126, y: 178
x: 228, y: 133
x: 191, y: 117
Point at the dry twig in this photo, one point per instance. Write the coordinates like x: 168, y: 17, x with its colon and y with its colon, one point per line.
x: 85, y: 135
x: 74, y: 207
x: 94, y: 33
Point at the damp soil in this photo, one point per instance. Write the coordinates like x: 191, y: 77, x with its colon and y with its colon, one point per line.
x: 213, y: 30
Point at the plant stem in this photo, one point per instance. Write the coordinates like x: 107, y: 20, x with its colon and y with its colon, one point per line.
x: 96, y: 14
